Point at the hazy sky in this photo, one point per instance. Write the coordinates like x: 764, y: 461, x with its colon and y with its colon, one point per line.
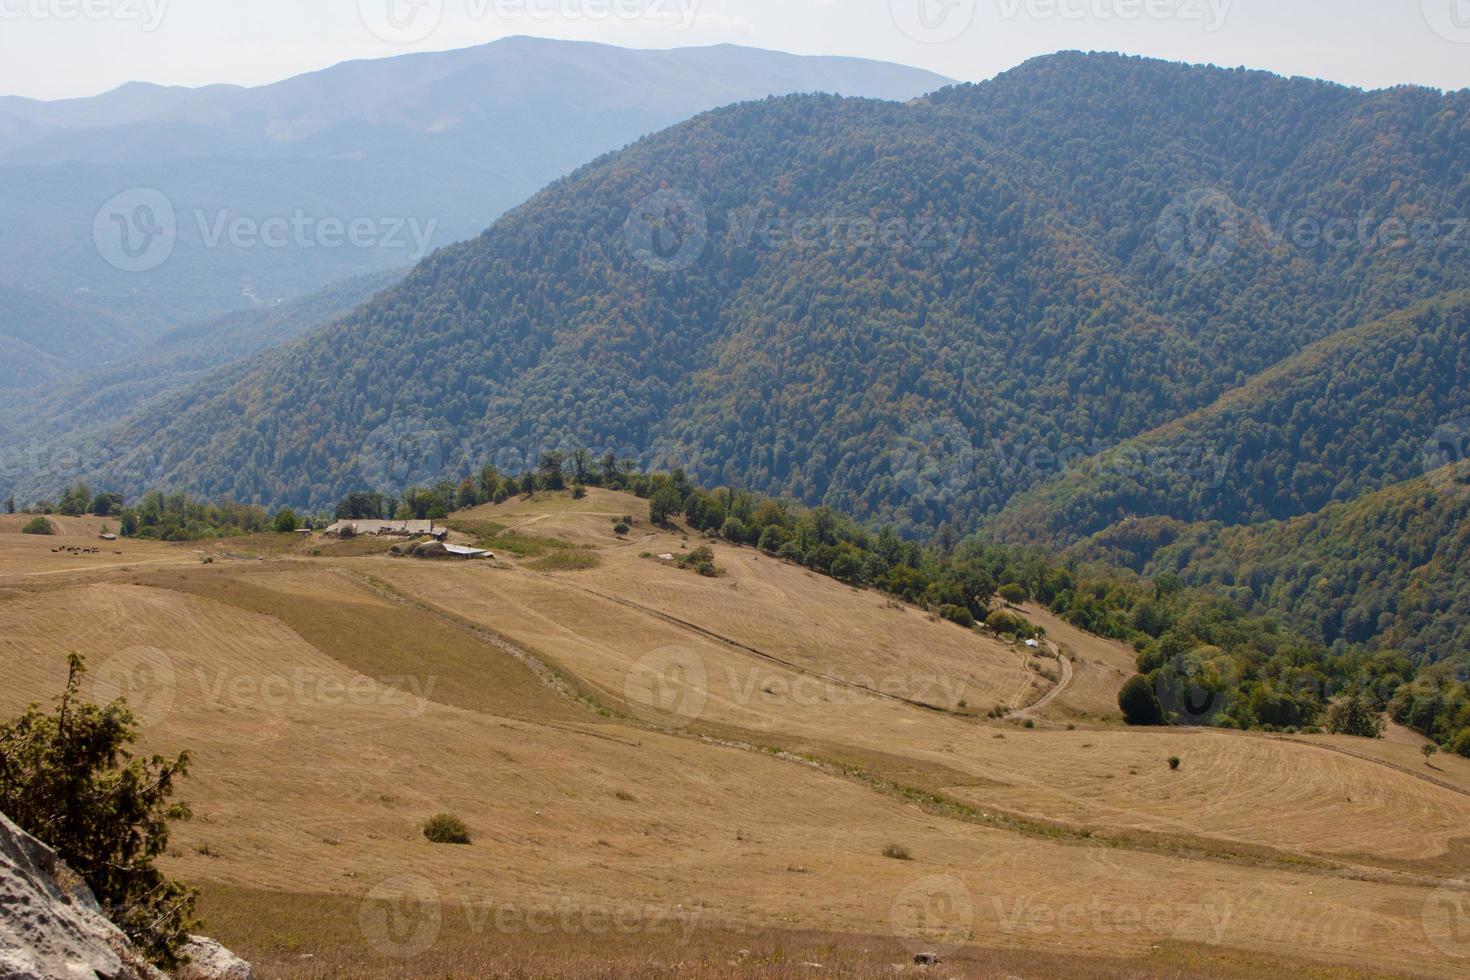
x: 61, y: 48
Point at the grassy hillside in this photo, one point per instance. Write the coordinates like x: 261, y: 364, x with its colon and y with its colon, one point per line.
x: 910, y: 312
x: 334, y: 698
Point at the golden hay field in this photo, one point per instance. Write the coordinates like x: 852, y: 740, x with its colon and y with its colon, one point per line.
x: 672, y: 775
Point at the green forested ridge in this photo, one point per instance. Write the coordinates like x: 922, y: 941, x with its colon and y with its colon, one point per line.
x: 1354, y: 413
x: 1385, y: 576
x: 1013, y: 301
x: 1388, y: 570
x: 51, y: 433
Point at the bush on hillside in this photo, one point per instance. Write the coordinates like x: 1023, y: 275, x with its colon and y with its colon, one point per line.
x: 445, y: 828
x: 1139, y: 702
x: 38, y: 525
x: 1013, y: 593
x: 68, y: 779
x: 1010, y: 624
x: 1355, y: 715
x: 701, y: 560
x: 958, y: 614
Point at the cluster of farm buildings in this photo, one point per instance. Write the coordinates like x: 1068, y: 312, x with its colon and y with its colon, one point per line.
x: 437, y: 545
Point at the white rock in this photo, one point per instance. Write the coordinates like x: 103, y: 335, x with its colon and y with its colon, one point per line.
x: 52, y: 927
x: 208, y: 960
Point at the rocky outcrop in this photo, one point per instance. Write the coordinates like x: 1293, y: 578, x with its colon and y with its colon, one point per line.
x: 51, y: 927
x: 208, y: 960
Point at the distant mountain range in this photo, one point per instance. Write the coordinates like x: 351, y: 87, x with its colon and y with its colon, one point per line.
x: 1135, y: 309
x: 158, y: 206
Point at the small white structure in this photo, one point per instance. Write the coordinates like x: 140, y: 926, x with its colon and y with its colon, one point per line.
x: 442, y: 550
x: 1033, y: 644
x: 471, y: 554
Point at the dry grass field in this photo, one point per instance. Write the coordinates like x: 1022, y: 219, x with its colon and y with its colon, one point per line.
x: 670, y: 775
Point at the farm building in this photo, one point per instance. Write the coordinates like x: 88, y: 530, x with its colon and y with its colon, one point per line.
x: 386, y: 529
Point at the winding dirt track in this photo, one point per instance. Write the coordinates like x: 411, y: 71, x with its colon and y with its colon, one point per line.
x: 1057, y: 689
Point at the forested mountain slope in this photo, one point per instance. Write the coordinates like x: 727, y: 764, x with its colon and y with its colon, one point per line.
x: 1389, y: 570
x: 911, y: 312
x: 1351, y: 414
x: 51, y: 430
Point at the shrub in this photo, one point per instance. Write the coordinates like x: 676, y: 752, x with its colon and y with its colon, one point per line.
x: 287, y: 522
x: 1175, y: 762
x: 1354, y: 715
x: 772, y: 539
x: 445, y: 828
x: 1009, y: 623
x: 621, y: 529
x: 701, y: 560
x: 1013, y: 593
x: 38, y: 525
x: 68, y: 780
x: 958, y: 614
x: 897, y: 852
x: 1139, y: 702
x: 664, y: 505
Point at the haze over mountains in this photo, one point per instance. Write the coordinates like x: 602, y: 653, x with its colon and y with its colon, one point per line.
x: 418, y: 150
x: 1022, y: 281
x: 1248, y: 289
